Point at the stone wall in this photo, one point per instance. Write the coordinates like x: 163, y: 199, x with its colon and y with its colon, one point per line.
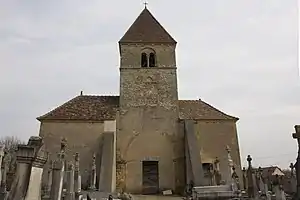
x: 131, y: 55
x: 147, y: 128
x: 213, y: 136
x: 85, y: 138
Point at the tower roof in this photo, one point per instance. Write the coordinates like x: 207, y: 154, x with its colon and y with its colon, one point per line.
x: 146, y: 29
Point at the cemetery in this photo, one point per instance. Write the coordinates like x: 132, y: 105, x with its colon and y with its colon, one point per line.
x: 144, y: 144
x: 64, y: 179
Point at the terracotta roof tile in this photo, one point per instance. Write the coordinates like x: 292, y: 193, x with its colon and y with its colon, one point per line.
x: 98, y: 108
x: 85, y: 107
x: 146, y: 29
x: 197, y: 109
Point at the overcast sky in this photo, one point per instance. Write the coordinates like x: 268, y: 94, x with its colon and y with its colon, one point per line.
x: 239, y: 56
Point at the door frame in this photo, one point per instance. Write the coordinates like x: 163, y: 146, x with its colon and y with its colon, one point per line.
x: 152, y: 189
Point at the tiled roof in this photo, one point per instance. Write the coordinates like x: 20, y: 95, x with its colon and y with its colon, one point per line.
x: 146, y: 29
x: 98, y: 108
x: 268, y: 171
x: 197, y: 109
x: 85, y: 107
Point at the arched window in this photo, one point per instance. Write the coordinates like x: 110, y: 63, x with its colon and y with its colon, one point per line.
x: 152, y: 60
x: 144, y: 60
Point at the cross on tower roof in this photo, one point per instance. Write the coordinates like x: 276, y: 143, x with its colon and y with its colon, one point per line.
x: 145, y: 3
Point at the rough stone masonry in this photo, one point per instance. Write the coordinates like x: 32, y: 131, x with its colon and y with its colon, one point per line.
x: 148, y: 141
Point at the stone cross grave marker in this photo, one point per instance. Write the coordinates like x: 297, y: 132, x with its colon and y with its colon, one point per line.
x: 217, y: 173
x: 296, y: 135
x: 244, y: 178
x: 230, y: 164
x: 93, y: 174
x: 250, y: 178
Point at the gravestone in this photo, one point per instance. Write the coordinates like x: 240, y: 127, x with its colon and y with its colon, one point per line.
x: 293, y: 182
x: 236, y: 181
x: 217, y: 173
x: 49, y: 180
x: 211, y: 175
x: 4, y: 170
x: 279, y: 193
x: 250, y: 178
x: 230, y: 165
x: 62, y: 157
x: 261, y: 184
x: 77, y: 177
x: 70, y: 194
x: 244, y: 174
x: 30, y: 161
x: 229, y: 190
x: 1, y: 158
x: 93, y: 174
x: 36, y: 172
x: 57, y: 179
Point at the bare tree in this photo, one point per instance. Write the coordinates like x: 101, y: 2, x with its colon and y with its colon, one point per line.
x: 11, y: 144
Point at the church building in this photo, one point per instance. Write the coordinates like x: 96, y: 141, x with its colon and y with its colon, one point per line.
x: 145, y: 139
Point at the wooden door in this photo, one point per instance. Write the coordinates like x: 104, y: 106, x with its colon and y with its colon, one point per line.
x: 150, y: 177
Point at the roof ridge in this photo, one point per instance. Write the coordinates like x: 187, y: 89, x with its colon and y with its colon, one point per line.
x: 188, y: 100
x: 95, y: 95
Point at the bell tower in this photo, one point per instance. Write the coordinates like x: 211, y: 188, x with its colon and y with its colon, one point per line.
x: 148, y: 63
x: 147, y: 136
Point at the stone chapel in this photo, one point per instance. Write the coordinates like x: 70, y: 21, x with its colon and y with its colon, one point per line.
x: 145, y: 139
